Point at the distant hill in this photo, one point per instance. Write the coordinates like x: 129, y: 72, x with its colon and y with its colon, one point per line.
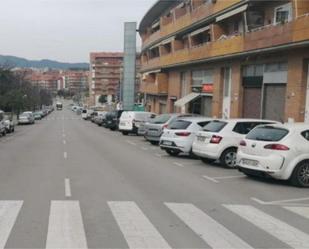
x: 24, y: 63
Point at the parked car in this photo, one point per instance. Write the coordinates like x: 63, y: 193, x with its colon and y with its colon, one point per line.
x: 112, y: 119
x: 178, y: 136
x: 2, y: 124
x: 154, y: 128
x: 277, y: 151
x: 26, y: 118
x: 130, y: 121
x: 99, y: 118
x: 84, y: 114
x: 38, y: 115
x: 9, y: 124
x: 89, y: 114
x: 219, y: 139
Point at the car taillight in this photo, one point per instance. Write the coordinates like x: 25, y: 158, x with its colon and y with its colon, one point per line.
x: 276, y: 147
x: 183, y: 134
x: 243, y: 143
x: 215, y: 139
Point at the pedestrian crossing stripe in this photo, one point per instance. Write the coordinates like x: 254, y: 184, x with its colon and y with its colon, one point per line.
x: 8, y: 213
x: 66, y: 228
x: 281, y: 230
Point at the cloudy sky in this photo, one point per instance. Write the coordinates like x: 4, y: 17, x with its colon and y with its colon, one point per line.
x: 65, y: 30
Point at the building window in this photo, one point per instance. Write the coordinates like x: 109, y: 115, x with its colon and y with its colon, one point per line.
x: 200, y: 77
x: 283, y: 13
x: 200, y: 38
x: 255, y: 19
x: 276, y: 67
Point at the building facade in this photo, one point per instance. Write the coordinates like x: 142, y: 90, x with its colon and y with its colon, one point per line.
x: 236, y: 58
x: 105, y: 74
x: 76, y: 81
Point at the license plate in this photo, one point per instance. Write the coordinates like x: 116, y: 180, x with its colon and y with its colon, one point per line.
x: 201, y: 139
x: 250, y: 162
x: 169, y: 143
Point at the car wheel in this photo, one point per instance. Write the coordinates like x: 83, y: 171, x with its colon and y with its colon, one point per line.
x: 300, y: 176
x: 228, y: 158
x: 172, y: 152
x: 207, y: 160
x: 125, y: 133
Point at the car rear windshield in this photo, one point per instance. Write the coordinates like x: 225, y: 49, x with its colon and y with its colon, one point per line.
x: 84, y: 111
x: 267, y: 133
x: 214, y: 126
x: 161, y: 119
x: 179, y: 125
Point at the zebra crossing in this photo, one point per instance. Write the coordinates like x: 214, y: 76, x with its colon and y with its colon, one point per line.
x: 66, y: 227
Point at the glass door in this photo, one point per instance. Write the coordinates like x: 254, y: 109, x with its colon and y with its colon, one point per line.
x: 227, y: 82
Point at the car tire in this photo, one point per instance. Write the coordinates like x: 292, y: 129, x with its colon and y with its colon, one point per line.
x: 125, y: 133
x: 300, y: 175
x: 207, y: 160
x: 228, y: 158
x: 172, y: 152
x: 154, y: 142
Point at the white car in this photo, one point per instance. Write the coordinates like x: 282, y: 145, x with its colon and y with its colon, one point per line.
x: 130, y: 121
x: 26, y: 118
x: 84, y: 114
x: 279, y: 151
x: 219, y: 139
x: 179, y: 135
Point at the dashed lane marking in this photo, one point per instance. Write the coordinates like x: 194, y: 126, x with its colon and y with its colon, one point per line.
x: 210, y: 179
x: 67, y: 187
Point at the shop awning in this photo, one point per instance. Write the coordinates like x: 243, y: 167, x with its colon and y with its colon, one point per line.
x: 232, y: 13
x: 199, y: 31
x: 186, y: 99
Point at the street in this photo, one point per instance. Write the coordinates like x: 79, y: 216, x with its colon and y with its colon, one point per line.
x: 67, y: 183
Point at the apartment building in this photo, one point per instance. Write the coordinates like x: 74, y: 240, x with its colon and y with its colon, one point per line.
x: 236, y: 58
x: 76, y: 81
x: 48, y: 80
x: 105, y: 74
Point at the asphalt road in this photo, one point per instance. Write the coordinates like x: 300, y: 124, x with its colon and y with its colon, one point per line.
x: 67, y: 183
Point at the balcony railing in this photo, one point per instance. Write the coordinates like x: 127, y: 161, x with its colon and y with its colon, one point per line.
x: 156, y: 88
x: 265, y: 37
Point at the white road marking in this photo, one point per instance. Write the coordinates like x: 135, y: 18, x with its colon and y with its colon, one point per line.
x: 66, y: 228
x: 65, y: 155
x: 302, y: 211
x: 144, y: 148
x: 275, y: 227
x: 135, y: 226
x: 67, y: 187
x: 63, y: 135
x: 278, y: 202
x: 228, y: 177
x: 64, y: 142
x: 212, y: 232
x: 159, y: 155
x: 178, y: 164
x: 9, y: 211
x: 210, y: 179
x: 130, y: 142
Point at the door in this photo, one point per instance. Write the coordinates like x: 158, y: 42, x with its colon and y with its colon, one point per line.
x: 307, y: 99
x: 274, y: 101
x: 252, y: 102
x: 227, y: 82
x: 207, y: 106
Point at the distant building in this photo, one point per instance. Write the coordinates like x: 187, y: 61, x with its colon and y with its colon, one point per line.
x: 76, y: 81
x: 105, y: 74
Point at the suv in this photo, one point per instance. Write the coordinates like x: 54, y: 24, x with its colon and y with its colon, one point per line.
x: 154, y: 128
x: 130, y: 121
x: 219, y: 139
x: 112, y: 119
x: 179, y: 135
x: 277, y: 151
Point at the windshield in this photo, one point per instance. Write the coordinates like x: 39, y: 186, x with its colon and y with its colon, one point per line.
x: 161, y: 119
x: 214, y: 126
x: 179, y: 125
x: 267, y: 133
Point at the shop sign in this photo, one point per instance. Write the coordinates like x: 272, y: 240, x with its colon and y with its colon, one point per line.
x: 207, y: 88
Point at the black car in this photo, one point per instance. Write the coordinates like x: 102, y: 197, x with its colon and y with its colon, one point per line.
x: 112, y: 119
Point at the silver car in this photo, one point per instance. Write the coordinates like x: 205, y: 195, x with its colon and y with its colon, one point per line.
x: 154, y: 129
x: 26, y: 118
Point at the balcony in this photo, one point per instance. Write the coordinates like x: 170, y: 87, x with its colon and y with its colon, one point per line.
x: 188, y: 19
x: 159, y: 87
x: 265, y: 37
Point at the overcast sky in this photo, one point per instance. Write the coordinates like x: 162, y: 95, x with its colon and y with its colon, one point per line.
x: 65, y: 30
